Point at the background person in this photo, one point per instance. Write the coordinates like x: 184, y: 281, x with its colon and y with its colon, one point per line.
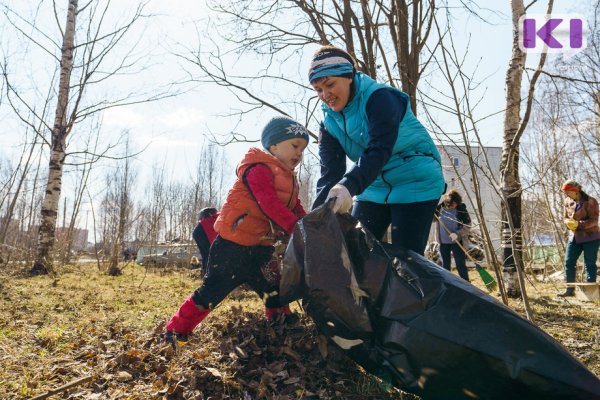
x: 204, y: 233
x: 397, y: 176
x: 453, y: 221
x: 581, y: 219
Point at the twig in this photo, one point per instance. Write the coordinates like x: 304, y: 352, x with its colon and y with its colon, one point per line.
x: 63, y: 388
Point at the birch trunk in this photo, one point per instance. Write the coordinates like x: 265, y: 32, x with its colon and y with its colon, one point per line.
x: 509, y: 165
x: 60, y: 130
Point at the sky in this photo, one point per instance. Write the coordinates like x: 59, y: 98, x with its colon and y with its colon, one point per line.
x: 172, y: 131
x: 175, y: 131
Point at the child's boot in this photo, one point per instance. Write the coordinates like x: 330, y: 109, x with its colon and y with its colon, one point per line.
x: 183, y: 322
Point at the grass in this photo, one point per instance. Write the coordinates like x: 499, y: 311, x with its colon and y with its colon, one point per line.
x: 56, y: 330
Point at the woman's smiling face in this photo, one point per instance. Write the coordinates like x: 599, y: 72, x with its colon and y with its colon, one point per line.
x: 334, y: 91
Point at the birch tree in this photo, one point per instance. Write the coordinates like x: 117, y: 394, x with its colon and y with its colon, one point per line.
x: 60, y: 130
x: 88, y: 54
x: 514, y: 127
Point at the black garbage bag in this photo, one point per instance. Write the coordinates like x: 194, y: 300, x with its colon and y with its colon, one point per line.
x: 403, y: 317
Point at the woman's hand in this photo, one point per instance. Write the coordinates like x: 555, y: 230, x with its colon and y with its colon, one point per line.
x: 343, y: 199
x: 572, y: 224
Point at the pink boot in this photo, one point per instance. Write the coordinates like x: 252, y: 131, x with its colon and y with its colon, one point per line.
x: 187, y: 317
x: 270, y: 312
x: 273, y: 314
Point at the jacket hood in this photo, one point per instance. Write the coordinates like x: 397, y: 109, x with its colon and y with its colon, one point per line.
x: 258, y: 156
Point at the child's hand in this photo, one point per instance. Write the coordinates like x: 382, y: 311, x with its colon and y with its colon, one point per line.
x: 281, y: 236
x: 280, y: 248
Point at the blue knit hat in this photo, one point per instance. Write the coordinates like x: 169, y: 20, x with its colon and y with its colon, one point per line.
x: 279, y: 129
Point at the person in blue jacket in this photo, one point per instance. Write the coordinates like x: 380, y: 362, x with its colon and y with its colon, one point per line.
x: 397, y: 175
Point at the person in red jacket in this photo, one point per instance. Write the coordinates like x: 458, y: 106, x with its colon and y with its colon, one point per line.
x: 581, y: 219
x: 204, y: 233
x: 261, y: 207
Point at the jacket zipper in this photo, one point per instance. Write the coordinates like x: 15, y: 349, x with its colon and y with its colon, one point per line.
x: 345, y: 130
x: 294, y: 183
x: 390, y: 188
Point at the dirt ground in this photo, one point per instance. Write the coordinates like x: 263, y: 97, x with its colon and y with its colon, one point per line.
x: 99, y: 333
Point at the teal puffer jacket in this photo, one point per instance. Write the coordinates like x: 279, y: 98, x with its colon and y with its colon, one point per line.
x: 413, y: 173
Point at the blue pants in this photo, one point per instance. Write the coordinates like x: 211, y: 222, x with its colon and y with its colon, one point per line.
x: 411, y: 222
x: 590, y: 253
x: 446, y: 249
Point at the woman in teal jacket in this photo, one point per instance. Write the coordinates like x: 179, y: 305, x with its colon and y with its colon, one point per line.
x: 397, y: 176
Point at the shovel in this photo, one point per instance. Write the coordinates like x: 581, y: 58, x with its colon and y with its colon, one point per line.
x: 488, y: 280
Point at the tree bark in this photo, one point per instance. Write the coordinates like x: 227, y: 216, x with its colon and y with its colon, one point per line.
x: 509, y: 164
x: 60, y: 130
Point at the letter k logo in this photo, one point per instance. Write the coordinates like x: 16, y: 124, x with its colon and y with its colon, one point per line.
x: 556, y: 33
x: 544, y: 33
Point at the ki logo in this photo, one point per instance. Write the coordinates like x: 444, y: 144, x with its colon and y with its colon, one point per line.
x: 555, y: 33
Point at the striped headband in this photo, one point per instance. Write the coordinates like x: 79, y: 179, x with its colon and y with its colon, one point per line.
x: 331, y: 63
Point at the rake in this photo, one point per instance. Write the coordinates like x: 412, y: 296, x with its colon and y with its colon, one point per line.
x: 488, y: 280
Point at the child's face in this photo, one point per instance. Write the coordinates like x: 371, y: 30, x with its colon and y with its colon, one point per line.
x: 289, y: 151
x: 333, y: 91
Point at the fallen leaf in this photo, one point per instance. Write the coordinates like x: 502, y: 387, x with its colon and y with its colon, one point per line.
x: 292, y: 380
x: 123, y: 376
x: 288, y: 351
x: 214, y: 372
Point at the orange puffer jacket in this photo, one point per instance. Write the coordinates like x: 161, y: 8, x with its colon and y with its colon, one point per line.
x: 241, y: 220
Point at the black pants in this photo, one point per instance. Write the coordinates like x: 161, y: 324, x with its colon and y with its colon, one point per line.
x: 448, y: 249
x: 231, y: 265
x: 411, y: 222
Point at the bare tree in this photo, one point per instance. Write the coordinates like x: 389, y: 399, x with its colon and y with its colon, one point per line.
x: 514, y: 127
x: 88, y: 57
x: 456, y: 98
x: 153, y: 212
x: 209, y: 180
x: 125, y: 183
x: 57, y: 145
x: 388, y: 40
x: 16, y: 184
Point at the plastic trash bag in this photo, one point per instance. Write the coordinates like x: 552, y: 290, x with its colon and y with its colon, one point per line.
x: 402, y: 317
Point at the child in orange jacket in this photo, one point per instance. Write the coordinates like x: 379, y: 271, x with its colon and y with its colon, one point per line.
x: 261, y: 206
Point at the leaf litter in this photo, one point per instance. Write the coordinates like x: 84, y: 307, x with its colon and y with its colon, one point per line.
x: 101, y: 335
